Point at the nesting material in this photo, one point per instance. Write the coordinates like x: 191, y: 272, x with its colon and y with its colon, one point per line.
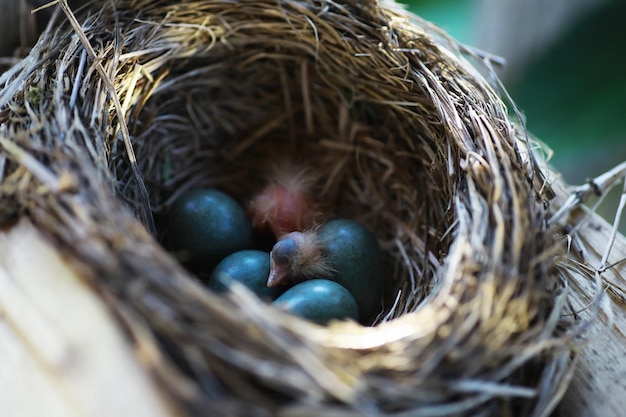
x: 120, y: 109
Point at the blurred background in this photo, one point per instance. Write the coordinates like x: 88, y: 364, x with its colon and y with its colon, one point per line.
x: 566, y: 61
x: 565, y: 64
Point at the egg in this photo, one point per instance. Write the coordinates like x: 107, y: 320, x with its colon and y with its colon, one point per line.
x: 205, y: 225
x: 319, y: 300
x: 355, y: 256
x: 248, y: 267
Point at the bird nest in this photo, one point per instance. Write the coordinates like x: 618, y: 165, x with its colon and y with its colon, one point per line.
x: 125, y: 104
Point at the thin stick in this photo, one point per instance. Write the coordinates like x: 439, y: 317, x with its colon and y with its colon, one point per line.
x: 145, y: 198
x: 596, y: 186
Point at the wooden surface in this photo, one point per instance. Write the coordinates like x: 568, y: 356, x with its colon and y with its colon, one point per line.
x: 598, y: 388
x: 49, y: 367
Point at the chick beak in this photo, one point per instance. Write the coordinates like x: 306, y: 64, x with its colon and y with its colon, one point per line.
x: 278, y: 274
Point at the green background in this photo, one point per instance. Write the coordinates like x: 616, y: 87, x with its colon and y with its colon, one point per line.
x: 573, y: 94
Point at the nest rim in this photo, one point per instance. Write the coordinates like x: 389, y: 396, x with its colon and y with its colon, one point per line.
x: 492, y: 175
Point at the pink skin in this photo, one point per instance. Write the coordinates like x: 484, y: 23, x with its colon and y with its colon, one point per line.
x: 279, y: 274
x: 286, y: 204
x: 281, y: 210
x: 297, y: 257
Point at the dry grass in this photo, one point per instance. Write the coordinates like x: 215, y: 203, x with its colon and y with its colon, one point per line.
x: 114, y: 114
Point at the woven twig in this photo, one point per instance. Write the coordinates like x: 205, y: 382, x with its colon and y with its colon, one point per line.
x: 405, y: 134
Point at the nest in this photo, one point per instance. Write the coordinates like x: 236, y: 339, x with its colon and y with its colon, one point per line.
x: 118, y: 110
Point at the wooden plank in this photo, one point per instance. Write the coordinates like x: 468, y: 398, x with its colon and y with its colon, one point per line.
x: 62, y: 354
x: 598, y: 388
x: 26, y: 390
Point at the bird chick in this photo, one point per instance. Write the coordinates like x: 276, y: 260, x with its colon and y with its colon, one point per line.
x: 286, y: 204
x: 297, y: 257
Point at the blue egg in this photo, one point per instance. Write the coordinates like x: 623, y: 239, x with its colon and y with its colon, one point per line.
x: 355, y: 255
x: 248, y: 267
x: 205, y: 225
x: 319, y: 300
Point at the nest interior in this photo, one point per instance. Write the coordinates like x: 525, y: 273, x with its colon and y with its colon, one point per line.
x: 110, y: 118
